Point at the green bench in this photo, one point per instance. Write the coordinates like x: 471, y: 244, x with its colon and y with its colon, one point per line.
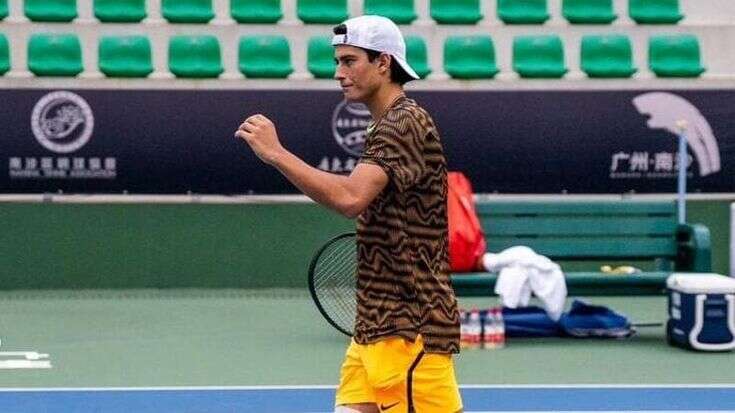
x: 582, y: 236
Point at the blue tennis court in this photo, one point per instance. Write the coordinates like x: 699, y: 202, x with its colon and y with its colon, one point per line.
x: 318, y: 399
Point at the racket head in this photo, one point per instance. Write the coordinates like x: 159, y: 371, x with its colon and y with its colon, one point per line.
x: 333, y: 281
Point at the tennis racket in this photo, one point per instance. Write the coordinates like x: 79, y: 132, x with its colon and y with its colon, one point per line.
x: 333, y: 281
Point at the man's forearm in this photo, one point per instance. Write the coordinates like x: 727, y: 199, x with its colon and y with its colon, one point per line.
x: 326, y: 188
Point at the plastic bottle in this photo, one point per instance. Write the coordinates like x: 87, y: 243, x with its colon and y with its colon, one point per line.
x: 499, y: 328
x: 463, y: 328
x: 471, y: 331
x: 494, y: 329
x: 489, y: 330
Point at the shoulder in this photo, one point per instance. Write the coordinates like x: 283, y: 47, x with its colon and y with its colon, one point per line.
x: 407, y: 114
x: 405, y: 108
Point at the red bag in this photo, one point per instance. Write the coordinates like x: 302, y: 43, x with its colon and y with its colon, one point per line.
x: 466, y: 238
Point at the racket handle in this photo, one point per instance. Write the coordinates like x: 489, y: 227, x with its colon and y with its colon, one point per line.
x: 648, y: 324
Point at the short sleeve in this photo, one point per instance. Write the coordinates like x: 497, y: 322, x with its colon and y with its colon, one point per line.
x: 397, y: 145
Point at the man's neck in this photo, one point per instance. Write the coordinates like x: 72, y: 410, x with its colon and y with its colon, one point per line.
x: 383, y: 99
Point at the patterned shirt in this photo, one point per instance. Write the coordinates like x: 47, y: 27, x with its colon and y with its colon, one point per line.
x: 404, y: 287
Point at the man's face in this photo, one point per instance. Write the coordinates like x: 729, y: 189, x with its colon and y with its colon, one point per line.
x: 358, y: 77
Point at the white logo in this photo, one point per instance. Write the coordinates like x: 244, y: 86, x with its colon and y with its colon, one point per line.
x: 349, y: 126
x: 62, y: 122
x: 666, y: 109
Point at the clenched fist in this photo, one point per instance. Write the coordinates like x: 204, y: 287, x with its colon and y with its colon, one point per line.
x: 260, y: 133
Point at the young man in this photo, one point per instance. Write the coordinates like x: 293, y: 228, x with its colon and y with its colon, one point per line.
x: 407, y: 324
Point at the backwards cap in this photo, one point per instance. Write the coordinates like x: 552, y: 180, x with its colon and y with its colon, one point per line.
x: 376, y: 33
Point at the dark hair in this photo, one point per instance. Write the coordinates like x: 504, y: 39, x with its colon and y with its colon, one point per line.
x: 397, y: 74
x: 340, y: 29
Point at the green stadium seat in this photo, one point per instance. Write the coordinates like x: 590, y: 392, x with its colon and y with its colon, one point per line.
x: 523, y: 11
x: 187, y: 11
x: 674, y: 56
x: 55, y: 55
x: 125, y: 56
x: 539, y: 56
x: 588, y: 11
x: 119, y: 11
x: 194, y: 56
x: 51, y: 10
x: 256, y: 11
x: 470, y: 57
x: 456, y: 11
x: 400, y: 11
x: 320, y: 57
x: 607, y: 56
x: 654, y: 11
x: 4, y: 55
x: 417, y: 55
x: 265, y: 57
x: 3, y: 9
x: 322, y: 11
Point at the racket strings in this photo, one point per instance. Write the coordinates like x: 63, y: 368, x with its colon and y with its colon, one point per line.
x: 335, y: 279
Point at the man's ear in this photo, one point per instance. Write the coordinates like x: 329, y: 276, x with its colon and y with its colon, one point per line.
x: 385, y: 61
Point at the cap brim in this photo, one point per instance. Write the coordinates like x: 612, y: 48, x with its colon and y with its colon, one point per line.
x: 406, y: 67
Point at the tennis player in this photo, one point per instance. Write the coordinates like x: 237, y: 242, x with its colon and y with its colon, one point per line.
x: 407, y: 325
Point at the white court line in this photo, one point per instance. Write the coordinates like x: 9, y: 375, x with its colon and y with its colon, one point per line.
x: 29, y: 355
x: 331, y: 387
x: 29, y: 360
x: 599, y: 386
x: 24, y: 364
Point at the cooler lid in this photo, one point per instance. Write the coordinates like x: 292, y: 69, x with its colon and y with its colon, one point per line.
x: 701, y: 283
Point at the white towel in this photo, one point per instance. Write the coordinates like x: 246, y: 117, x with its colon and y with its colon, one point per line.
x: 513, y: 287
x: 521, y: 271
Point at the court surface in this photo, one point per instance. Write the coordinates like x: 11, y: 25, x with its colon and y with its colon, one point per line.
x: 270, y: 351
x: 318, y: 399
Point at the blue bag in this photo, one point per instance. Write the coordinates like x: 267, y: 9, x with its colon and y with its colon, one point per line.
x: 529, y: 321
x: 587, y: 320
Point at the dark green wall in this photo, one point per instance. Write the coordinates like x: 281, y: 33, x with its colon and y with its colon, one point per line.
x: 161, y: 245
x: 716, y: 216
x: 55, y: 245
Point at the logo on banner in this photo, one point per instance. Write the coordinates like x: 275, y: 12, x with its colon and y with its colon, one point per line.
x: 349, y: 129
x: 62, y: 122
x: 349, y: 126
x: 665, y: 110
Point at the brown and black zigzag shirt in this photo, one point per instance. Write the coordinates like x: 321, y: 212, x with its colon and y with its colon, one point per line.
x: 402, y: 242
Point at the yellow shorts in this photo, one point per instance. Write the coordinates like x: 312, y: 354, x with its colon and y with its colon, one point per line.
x: 399, y: 377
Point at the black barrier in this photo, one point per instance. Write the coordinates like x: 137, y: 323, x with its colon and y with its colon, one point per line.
x: 111, y: 141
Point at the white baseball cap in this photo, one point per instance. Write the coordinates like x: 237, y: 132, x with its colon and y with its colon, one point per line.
x: 376, y: 33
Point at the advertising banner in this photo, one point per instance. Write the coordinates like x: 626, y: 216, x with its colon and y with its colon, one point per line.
x: 540, y: 142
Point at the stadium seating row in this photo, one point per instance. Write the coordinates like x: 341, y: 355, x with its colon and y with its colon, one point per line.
x: 465, y: 57
x: 335, y: 11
